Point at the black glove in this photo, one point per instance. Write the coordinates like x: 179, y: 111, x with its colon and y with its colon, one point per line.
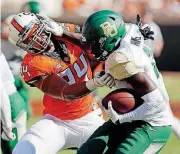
x: 144, y: 29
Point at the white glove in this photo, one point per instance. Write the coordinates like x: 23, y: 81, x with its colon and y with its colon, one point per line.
x: 104, y: 79
x: 7, y: 134
x: 110, y: 112
x: 51, y: 25
x: 54, y: 28
x: 101, y: 79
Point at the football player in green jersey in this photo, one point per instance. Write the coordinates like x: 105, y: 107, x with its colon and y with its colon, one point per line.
x: 121, y: 45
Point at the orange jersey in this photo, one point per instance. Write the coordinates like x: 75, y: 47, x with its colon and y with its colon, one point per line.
x: 78, y: 70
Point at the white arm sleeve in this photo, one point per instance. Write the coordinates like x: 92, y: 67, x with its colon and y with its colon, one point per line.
x: 5, y: 107
x: 153, y: 103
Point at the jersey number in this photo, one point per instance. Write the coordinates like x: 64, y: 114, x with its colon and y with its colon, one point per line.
x: 79, y: 67
x: 24, y: 69
x: 153, y: 62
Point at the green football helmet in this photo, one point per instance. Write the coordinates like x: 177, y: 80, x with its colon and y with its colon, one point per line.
x: 104, y: 30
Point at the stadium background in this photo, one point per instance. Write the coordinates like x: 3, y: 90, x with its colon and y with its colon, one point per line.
x: 166, y: 14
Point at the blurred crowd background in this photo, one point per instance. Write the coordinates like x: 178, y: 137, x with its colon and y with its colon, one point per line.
x: 162, y: 15
x: 164, y: 11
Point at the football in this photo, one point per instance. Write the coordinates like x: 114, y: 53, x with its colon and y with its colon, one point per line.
x: 123, y: 100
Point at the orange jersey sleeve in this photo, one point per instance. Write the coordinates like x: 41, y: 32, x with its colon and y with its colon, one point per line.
x: 34, y: 66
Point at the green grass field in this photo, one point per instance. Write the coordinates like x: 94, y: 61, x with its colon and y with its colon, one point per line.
x: 173, y: 86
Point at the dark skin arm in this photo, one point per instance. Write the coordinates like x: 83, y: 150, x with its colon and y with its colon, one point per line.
x: 74, y: 37
x: 141, y: 83
x: 57, y: 87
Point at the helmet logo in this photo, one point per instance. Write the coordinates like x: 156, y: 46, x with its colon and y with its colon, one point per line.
x: 109, y: 30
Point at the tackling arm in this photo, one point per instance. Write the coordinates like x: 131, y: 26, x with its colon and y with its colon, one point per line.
x: 72, y: 35
x: 57, y: 87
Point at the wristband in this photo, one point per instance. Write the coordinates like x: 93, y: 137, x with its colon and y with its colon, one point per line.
x: 91, y: 85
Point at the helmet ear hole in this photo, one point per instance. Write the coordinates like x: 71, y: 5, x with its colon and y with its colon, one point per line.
x: 112, y: 18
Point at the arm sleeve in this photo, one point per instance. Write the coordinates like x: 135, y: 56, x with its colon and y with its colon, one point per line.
x: 153, y: 103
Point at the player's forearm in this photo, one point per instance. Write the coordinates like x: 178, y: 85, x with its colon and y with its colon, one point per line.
x: 149, y: 108
x: 59, y: 88
x: 141, y: 83
x: 75, y: 91
x: 73, y: 35
x: 78, y: 90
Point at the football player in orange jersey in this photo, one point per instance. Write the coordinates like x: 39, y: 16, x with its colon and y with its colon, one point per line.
x: 58, y: 67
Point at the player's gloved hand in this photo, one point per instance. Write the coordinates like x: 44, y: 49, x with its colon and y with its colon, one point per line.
x: 144, y: 29
x: 111, y: 113
x: 101, y: 79
x: 7, y: 134
x: 54, y: 28
x: 104, y: 79
x: 51, y: 25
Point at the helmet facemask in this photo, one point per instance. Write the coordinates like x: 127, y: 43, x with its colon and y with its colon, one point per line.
x: 34, y: 37
x: 99, y: 51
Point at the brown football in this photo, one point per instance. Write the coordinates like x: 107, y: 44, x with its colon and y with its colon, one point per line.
x: 123, y: 100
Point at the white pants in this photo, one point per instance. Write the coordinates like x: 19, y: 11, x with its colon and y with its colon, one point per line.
x: 175, y: 121
x: 50, y: 134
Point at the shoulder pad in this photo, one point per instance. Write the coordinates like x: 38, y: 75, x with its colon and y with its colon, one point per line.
x: 121, y: 65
